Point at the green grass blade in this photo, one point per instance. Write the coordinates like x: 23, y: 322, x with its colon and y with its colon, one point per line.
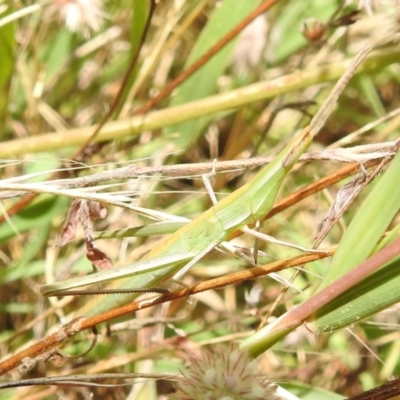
x: 7, y: 50
x: 139, y: 17
x: 132, y: 127
x: 204, y: 81
x: 375, y: 293
x: 378, y: 291
x: 158, y: 228
x: 368, y: 225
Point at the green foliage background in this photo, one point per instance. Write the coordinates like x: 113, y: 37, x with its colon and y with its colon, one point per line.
x: 57, y: 84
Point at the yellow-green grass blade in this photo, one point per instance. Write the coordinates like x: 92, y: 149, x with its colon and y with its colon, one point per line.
x: 132, y: 127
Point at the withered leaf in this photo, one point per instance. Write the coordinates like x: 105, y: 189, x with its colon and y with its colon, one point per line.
x: 69, y: 228
x: 97, y: 257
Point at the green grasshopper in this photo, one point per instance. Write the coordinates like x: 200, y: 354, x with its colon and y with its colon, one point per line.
x: 179, y: 252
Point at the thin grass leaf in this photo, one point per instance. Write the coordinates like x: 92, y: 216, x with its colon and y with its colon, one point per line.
x: 140, y: 11
x: 7, y: 49
x: 40, y: 213
x: 203, y: 82
x: 226, y: 101
x: 375, y: 293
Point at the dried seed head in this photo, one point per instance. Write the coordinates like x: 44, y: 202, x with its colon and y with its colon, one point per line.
x: 78, y: 15
x: 224, y: 373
